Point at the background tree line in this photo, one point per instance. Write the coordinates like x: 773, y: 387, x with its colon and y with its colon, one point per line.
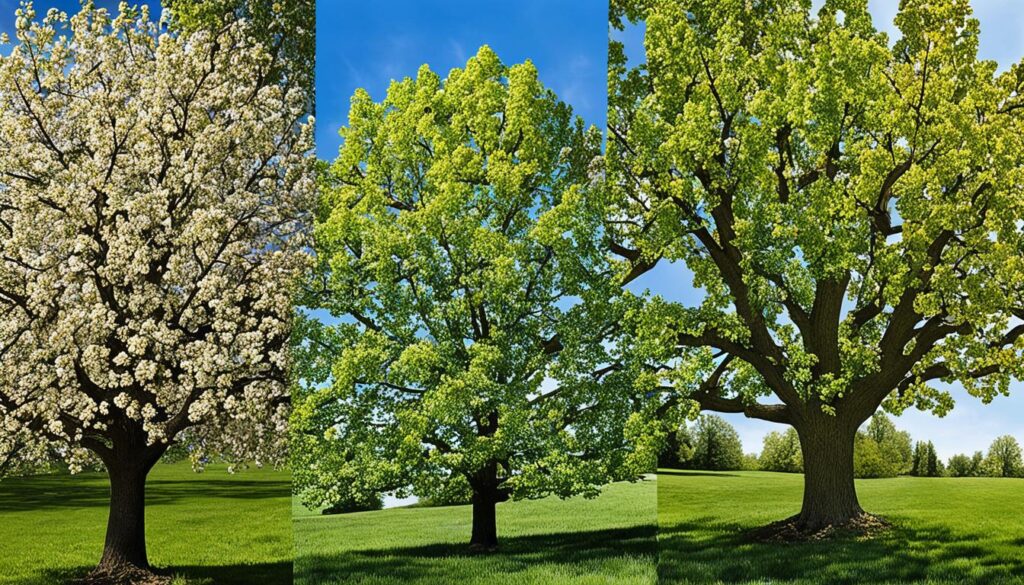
x: 881, y: 450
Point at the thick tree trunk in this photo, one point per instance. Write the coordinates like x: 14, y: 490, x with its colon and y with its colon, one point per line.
x: 487, y: 493
x: 125, y: 546
x: 485, y: 523
x: 830, y: 497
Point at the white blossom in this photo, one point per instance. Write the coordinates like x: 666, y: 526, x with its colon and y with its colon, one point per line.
x: 154, y: 189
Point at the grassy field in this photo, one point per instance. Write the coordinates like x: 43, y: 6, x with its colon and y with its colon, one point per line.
x: 947, y: 530
x: 208, y: 528
x: 609, y: 540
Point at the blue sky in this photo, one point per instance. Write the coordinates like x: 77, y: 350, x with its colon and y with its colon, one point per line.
x: 971, y: 425
x: 367, y: 44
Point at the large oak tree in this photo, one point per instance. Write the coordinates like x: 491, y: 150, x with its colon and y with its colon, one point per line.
x: 851, y: 209
x: 153, y: 189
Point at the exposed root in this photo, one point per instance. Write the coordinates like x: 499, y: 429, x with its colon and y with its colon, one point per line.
x: 122, y: 575
x: 863, y: 525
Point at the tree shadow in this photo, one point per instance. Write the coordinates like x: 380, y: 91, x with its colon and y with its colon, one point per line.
x: 578, y: 552
x: 706, y: 550
x: 279, y: 573
x: 62, y: 491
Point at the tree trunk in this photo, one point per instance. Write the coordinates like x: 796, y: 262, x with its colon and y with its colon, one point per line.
x: 830, y: 497
x: 485, y: 523
x: 486, y: 495
x: 125, y: 546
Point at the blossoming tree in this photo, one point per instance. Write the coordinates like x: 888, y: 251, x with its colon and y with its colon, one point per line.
x: 451, y: 355
x: 851, y: 209
x: 152, y: 196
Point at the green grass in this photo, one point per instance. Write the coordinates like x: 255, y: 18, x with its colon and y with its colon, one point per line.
x: 208, y: 528
x: 946, y: 531
x: 609, y: 540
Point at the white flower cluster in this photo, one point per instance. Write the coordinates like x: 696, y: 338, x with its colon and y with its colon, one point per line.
x: 153, y: 199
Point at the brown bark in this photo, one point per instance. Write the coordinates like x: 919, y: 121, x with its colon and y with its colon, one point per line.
x: 485, y: 524
x: 128, y: 460
x: 487, y: 493
x: 125, y: 545
x: 830, y: 497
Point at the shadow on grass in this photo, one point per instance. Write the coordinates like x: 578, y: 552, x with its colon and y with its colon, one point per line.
x: 241, y: 574
x: 706, y: 550
x: 573, y: 552
x: 57, y: 491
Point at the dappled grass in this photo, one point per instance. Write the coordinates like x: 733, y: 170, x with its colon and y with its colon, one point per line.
x: 209, y: 528
x: 946, y: 531
x: 609, y: 540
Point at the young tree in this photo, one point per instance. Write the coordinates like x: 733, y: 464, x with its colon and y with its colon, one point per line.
x: 152, y: 197
x: 456, y: 257
x: 850, y: 209
x: 1004, y: 458
x: 781, y: 452
x: 716, y: 445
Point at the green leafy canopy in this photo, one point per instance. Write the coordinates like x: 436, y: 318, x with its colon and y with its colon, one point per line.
x: 457, y: 339
x: 852, y: 209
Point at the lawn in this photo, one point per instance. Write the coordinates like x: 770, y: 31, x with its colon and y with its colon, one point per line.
x: 609, y: 540
x: 209, y: 528
x: 946, y: 531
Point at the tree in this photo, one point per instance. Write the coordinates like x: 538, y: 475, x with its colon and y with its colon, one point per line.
x: 716, y: 446
x: 781, y: 452
x: 926, y: 462
x: 849, y: 209
x: 455, y: 253
x: 961, y: 465
x: 894, y: 445
x: 750, y: 462
x: 868, y: 461
x: 152, y: 208
x: 1004, y: 458
x: 679, y: 447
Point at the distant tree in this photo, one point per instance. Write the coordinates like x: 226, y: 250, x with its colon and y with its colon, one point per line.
x: 961, y: 465
x: 1004, y: 458
x: 686, y: 445
x: 751, y: 462
x: 781, y: 452
x: 868, y: 461
x: 716, y: 445
x: 677, y: 449
x: 365, y: 504
x: 925, y: 461
x: 977, y: 463
x: 935, y: 466
x: 895, y: 446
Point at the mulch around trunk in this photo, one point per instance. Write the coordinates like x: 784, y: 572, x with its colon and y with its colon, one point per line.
x: 792, y: 530
x: 123, y: 576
